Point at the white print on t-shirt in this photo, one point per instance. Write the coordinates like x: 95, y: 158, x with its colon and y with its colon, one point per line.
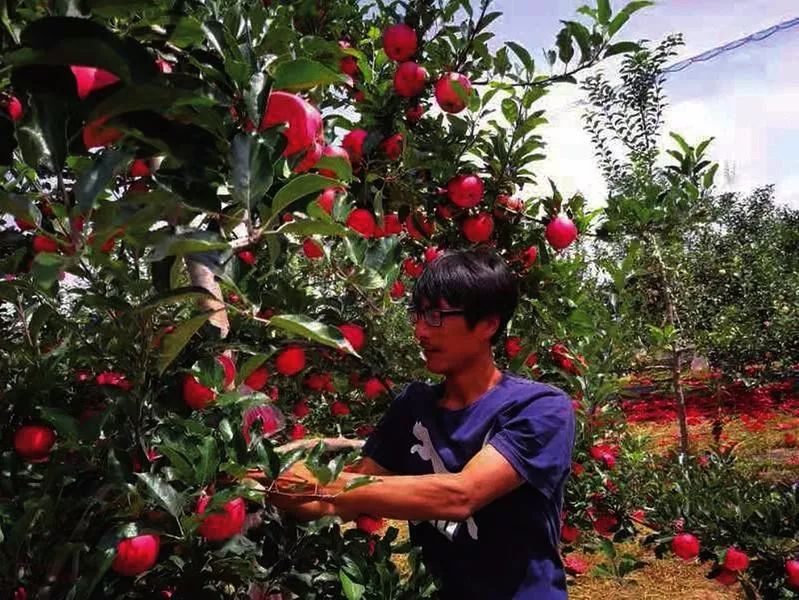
x: 428, y: 453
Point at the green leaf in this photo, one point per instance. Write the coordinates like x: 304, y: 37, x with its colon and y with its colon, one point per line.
x: 710, y: 175
x: 565, y: 46
x: 686, y: 148
x: 621, y: 48
x: 42, y: 133
x: 304, y: 74
x: 601, y: 571
x: 298, y: 188
x: 65, y: 424
x: 175, y: 296
x: 607, y: 548
x: 20, y: 206
x: 46, y: 267
x: 510, y: 110
x: 76, y: 41
x: 250, y: 365
x: 635, y: 6
x: 523, y: 55
x: 173, y: 343
x: 700, y: 149
x: 97, y: 178
x: 225, y: 430
x: 209, y: 461
x: 155, y: 97
x: 163, y: 493
x: 617, y: 23
x: 313, y: 330
x: 116, y: 8
x: 603, y: 11
x: 358, y: 482
x: 583, y: 38
x: 340, y: 166
x: 189, y: 243
x: 352, y: 590
x: 251, y: 169
x: 177, y: 460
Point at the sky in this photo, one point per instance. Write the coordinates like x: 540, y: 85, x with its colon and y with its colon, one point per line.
x: 747, y: 99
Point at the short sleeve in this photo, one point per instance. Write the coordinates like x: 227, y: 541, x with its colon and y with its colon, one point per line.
x: 386, y: 444
x: 536, y: 437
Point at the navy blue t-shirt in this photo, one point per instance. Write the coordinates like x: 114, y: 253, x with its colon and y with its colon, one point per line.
x: 509, y: 548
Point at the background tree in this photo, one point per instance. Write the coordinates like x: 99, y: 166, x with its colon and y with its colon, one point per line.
x: 650, y: 205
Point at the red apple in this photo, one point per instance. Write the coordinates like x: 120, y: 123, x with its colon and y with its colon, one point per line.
x: 246, y: 256
x: 290, y: 361
x: 34, y: 442
x: 362, y: 221
x: 419, y: 226
x: 369, y: 524
x: 792, y: 573
x: 326, y: 199
x: 560, y: 232
x: 513, y: 346
x: 686, y: 546
x: 452, y: 92
x: 298, y: 431
x: 42, y: 243
x: 529, y: 256
x: 195, y: 394
x: 735, y: 560
x: 304, y: 121
x: 409, y: 79
x: 257, y: 379
x: 465, y: 190
x: 221, y: 526
x: 97, y: 135
x: 391, y: 226
x: 373, y: 388
x: 136, y: 555
x: 414, y: 114
x: 478, y: 228
x: 431, y: 253
x: 312, y: 249
x: 412, y: 268
x: 353, y: 144
x: 14, y: 108
x: 397, y: 290
x: 348, y: 65
x: 339, y: 409
x: 727, y: 577
x: 399, y: 42
x: 392, y: 146
x: 91, y: 79
x: 139, y: 168
x: 354, y: 335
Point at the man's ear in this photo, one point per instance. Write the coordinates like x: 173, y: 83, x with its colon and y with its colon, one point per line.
x: 489, y: 326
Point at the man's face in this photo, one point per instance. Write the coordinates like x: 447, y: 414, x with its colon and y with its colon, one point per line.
x: 452, y: 346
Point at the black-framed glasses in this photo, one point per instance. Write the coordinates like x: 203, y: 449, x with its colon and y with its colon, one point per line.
x: 432, y: 316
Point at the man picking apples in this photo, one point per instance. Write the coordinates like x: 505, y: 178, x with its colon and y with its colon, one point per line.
x: 477, y: 463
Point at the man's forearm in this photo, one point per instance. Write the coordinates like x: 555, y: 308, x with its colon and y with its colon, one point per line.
x: 411, y: 497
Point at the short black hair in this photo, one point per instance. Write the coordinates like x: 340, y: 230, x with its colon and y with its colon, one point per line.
x: 477, y: 281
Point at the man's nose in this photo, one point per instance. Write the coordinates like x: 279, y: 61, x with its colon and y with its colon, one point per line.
x: 421, y: 330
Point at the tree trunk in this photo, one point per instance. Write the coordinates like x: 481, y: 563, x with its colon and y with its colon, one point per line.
x: 676, y: 363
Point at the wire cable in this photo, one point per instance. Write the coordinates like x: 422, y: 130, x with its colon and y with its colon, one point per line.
x: 677, y: 67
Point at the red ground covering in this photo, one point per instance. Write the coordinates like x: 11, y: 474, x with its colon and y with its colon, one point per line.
x: 754, y: 405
